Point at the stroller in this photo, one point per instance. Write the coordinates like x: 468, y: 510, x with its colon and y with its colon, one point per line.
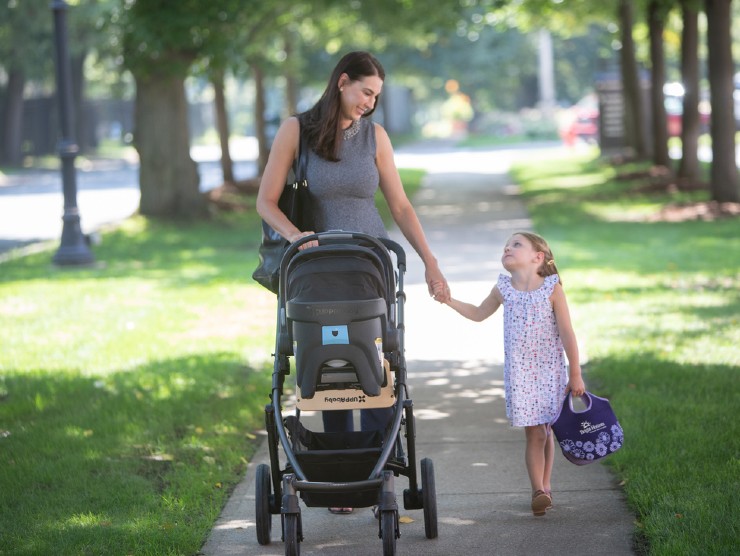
x: 340, y: 315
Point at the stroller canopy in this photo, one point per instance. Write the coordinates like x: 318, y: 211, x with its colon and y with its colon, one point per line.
x: 332, y: 273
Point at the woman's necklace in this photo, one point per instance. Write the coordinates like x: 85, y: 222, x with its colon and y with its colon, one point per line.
x: 352, y: 130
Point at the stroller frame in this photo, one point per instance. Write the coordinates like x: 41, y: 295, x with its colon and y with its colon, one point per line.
x: 278, y: 489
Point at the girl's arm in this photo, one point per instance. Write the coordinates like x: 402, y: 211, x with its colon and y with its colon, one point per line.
x: 282, y: 154
x: 568, y: 337
x: 480, y: 313
x: 404, y: 214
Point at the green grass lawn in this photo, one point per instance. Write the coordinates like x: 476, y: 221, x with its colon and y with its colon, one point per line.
x: 130, y: 392
x: 656, y: 306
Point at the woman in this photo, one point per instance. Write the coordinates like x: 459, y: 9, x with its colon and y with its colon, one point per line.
x: 349, y: 158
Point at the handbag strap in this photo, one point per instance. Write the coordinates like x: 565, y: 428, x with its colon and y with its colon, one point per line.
x: 587, y: 400
x: 302, y: 162
x: 567, y: 405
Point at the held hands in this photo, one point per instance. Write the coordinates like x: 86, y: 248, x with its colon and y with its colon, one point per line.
x: 440, y: 291
x: 436, y: 283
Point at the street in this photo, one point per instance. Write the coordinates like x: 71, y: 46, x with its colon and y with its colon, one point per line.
x: 31, y: 201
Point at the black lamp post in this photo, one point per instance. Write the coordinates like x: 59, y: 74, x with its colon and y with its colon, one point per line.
x: 74, y: 249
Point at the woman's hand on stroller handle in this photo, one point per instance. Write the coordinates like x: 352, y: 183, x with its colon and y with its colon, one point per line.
x: 305, y: 245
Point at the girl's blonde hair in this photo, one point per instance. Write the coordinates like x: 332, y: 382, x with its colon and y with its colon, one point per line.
x: 548, y: 267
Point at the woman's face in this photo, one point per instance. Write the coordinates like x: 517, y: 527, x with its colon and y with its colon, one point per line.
x: 358, y: 96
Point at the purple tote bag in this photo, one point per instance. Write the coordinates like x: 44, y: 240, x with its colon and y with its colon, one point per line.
x: 588, y: 435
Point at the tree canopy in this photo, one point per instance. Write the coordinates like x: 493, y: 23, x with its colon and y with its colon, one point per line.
x: 486, y: 46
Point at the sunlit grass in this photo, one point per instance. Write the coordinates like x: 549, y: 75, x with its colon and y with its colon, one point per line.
x: 130, y: 390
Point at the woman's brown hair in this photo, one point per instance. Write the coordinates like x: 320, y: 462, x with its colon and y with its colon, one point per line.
x: 319, y: 123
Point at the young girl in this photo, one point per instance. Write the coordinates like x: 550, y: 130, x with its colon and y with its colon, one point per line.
x: 537, y: 329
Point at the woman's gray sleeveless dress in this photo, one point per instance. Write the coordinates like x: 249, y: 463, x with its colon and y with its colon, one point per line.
x: 343, y: 198
x: 343, y: 193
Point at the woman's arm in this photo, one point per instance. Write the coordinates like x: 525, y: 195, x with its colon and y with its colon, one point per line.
x: 480, y: 313
x: 568, y: 337
x: 404, y: 214
x: 282, y: 155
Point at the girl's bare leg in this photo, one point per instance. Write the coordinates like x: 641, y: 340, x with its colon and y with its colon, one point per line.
x: 549, y: 460
x: 535, y: 455
x: 538, y: 467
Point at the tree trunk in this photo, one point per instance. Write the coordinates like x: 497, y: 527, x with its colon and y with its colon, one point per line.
x: 168, y: 177
x: 657, y: 98
x: 633, y: 108
x: 222, y: 124
x: 688, y: 170
x: 12, y: 119
x: 724, y: 184
x: 259, y: 118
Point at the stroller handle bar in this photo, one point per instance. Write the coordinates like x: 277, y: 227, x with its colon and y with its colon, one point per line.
x: 336, y: 236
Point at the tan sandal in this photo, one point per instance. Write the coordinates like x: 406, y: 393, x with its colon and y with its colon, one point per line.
x: 540, y: 502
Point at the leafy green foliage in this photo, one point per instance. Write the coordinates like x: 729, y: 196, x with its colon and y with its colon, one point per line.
x: 171, y: 36
x: 26, y: 38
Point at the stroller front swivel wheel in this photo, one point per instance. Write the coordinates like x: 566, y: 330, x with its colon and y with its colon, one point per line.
x: 389, y: 531
x: 292, y: 534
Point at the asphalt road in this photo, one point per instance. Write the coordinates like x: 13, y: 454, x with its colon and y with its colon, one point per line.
x: 31, y: 201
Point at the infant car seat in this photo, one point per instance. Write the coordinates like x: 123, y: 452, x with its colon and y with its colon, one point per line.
x: 337, y: 316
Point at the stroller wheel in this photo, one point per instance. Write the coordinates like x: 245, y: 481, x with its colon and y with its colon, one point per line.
x: 389, y: 531
x: 429, y: 498
x: 292, y: 534
x: 262, y: 504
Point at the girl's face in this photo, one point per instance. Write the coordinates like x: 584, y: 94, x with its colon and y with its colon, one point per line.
x: 359, y: 96
x: 519, y: 253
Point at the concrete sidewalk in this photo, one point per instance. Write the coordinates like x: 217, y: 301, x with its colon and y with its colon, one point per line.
x: 456, y: 378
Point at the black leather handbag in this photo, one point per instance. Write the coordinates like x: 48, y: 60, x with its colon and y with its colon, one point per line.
x: 295, y: 202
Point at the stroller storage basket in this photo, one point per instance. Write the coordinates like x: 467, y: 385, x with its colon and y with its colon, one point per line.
x: 339, y: 457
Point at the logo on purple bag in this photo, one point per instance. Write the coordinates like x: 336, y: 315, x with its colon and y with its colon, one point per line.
x: 587, y: 427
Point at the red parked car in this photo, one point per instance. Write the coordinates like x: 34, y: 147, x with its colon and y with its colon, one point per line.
x: 673, y: 93
x: 581, y: 121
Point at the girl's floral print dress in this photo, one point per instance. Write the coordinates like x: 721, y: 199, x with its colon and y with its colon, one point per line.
x: 535, y: 374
